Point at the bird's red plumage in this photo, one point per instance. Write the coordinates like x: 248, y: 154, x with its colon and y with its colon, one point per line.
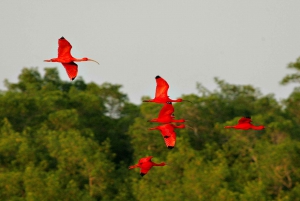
x: 162, y: 87
x: 244, y: 123
x: 244, y: 120
x: 166, y: 110
x: 67, y: 60
x: 166, y: 115
x: 161, y: 92
x: 168, y: 133
x: 64, y: 49
x: 145, y: 164
x: 72, y: 69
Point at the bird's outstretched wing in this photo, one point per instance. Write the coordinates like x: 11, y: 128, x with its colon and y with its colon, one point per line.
x: 166, y: 110
x: 64, y: 48
x: 244, y: 120
x: 161, y: 88
x: 170, y: 139
x: 72, y: 69
x: 167, y: 132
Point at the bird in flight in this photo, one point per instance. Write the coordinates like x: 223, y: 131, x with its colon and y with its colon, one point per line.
x: 161, y: 93
x: 166, y: 115
x: 244, y: 123
x: 66, y: 59
x: 145, y: 164
x: 168, y: 133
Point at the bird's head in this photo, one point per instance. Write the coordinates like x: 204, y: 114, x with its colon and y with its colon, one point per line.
x: 179, y: 100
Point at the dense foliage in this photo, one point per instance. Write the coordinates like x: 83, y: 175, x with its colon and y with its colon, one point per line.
x: 74, y: 141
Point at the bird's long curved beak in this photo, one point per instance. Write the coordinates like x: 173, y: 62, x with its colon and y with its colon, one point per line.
x: 188, y: 101
x: 93, y: 61
x: 189, y: 127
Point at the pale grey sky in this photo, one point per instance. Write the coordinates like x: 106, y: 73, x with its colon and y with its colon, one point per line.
x: 242, y: 42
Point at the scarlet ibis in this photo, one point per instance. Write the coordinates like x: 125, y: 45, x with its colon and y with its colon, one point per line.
x: 166, y: 115
x: 244, y: 123
x: 161, y: 94
x: 66, y: 59
x: 168, y: 133
x: 146, y: 164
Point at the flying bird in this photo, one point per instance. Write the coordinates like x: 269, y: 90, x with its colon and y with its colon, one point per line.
x: 168, y: 133
x: 244, y: 123
x: 161, y: 93
x: 166, y: 115
x: 66, y: 59
x: 145, y: 164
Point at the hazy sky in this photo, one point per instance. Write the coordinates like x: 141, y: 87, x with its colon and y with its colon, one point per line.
x: 242, y: 42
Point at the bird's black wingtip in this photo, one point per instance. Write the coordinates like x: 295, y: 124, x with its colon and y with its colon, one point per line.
x: 62, y: 37
x: 157, y: 77
x: 170, y: 147
x: 73, y: 78
x: 142, y: 174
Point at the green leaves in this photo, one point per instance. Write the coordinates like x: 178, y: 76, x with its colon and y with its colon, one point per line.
x: 292, y: 78
x: 62, y: 140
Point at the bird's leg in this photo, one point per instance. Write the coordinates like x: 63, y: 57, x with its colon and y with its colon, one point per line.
x: 152, y: 120
x: 229, y: 127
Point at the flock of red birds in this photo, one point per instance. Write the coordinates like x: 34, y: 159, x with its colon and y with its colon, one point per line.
x: 166, y: 115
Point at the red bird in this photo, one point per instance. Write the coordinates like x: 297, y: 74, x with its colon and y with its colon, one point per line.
x: 146, y: 164
x: 161, y: 94
x: 166, y: 115
x: 66, y: 59
x: 168, y: 133
x: 245, y: 124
